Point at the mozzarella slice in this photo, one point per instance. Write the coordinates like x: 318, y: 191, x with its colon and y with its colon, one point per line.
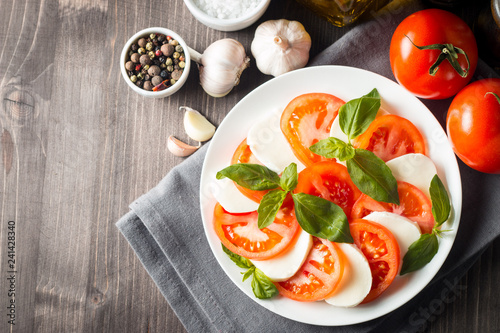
x: 356, y: 281
x: 404, y: 230
x: 285, y: 266
x: 269, y: 145
x: 416, y: 169
x: 336, y: 131
x: 231, y: 199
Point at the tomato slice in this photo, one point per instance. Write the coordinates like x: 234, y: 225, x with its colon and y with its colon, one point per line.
x: 243, y: 154
x: 382, y: 252
x: 414, y: 204
x: 319, y: 275
x: 306, y: 120
x: 240, y: 232
x: 390, y: 136
x: 329, y: 180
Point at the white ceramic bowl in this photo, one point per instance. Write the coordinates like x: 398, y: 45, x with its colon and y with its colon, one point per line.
x: 177, y: 85
x: 228, y: 24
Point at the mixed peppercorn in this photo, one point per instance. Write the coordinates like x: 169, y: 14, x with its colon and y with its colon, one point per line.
x: 155, y: 62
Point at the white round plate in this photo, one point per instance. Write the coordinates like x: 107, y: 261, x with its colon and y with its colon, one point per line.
x: 346, y: 83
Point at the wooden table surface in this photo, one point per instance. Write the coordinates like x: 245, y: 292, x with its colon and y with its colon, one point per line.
x: 78, y: 146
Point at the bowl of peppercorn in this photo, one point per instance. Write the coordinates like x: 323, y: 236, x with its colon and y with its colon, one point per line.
x: 155, y: 62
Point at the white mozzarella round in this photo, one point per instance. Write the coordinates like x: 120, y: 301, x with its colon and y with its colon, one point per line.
x: 336, y: 131
x: 285, y: 266
x: 231, y: 199
x: 416, y: 169
x: 404, y: 230
x: 269, y: 145
x: 356, y: 281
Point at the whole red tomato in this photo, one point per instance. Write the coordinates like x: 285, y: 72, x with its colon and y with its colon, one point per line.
x: 423, y: 50
x: 473, y: 125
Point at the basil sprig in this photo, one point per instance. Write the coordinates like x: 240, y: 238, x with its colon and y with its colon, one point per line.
x: 368, y: 172
x: 262, y: 286
x: 333, y: 148
x: 316, y: 216
x: 421, y: 252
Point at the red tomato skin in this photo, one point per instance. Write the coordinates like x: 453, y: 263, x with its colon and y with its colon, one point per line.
x: 414, y: 205
x: 282, y: 233
x: 473, y: 125
x: 331, y: 181
x: 410, y: 65
x: 390, y: 136
x: 388, y: 257
x: 306, y: 120
x: 316, y: 280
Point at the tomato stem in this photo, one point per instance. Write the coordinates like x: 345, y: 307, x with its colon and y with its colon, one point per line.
x: 448, y: 52
x: 496, y: 96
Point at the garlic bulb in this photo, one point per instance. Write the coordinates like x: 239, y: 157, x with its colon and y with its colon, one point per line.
x: 179, y: 148
x: 196, y: 125
x: 280, y: 46
x: 221, y: 66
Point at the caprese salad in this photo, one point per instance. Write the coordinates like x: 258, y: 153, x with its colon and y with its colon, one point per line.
x: 328, y: 200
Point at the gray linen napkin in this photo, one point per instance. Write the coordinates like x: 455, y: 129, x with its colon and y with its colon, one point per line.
x: 162, y: 231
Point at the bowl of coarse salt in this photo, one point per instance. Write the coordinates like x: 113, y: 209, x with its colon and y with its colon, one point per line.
x: 227, y: 15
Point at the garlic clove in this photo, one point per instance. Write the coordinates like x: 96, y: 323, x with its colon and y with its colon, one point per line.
x: 196, y: 125
x: 179, y: 148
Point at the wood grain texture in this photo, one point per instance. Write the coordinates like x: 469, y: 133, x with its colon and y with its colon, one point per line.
x: 78, y: 146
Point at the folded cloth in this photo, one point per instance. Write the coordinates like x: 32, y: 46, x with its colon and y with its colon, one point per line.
x: 165, y: 230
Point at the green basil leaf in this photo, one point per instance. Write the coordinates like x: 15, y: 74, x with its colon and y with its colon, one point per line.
x: 269, y: 207
x: 333, y: 148
x: 237, y: 259
x: 373, y: 177
x: 262, y: 286
x: 441, y: 207
x: 289, y: 178
x: 248, y: 273
x: 420, y: 253
x: 357, y: 114
x: 321, y: 218
x: 252, y: 176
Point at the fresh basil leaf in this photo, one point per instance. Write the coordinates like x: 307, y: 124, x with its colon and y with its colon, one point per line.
x: 441, y: 207
x: 262, y: 286
x: 420, y: 253
x: 289, y: 178
x: 373, y: 177
x: 269, y: 207
x: 240, y: 261
x: 248, y: 273
x: 252, y: 176
x: 321, y: 218
x: 357, y: 114
x: 333, y: 148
